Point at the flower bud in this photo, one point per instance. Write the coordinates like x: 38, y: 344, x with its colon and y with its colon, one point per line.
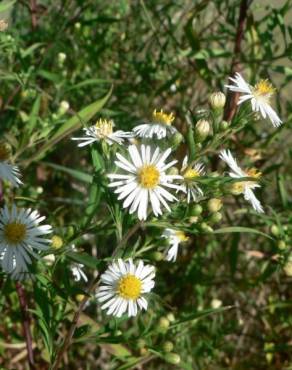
x: 175, y: 140
x: 206, y: 228
x: 79, y: 297
x: 49, y: 259
x: 77, y: 26
x: 141, y: 343
x: 223, y: 125
x: 64, y: 107
x: 170, y: 317
x: 195, y: 210
x: 163, y: 324
x: 275, y: 230
x: 288, y: 268
x: 62, y: 57
x: 156, y: 256
x: 214, y: 205
x: 173, y: 171
x: 172, y: 358
x: 202, y: 129
x: 193, y: 219
x: 57, y: 242
x: 216, y: 217
x: 216, y: 303
x: 282, y: 245
x: 217, y: 100
x: 167, y: 346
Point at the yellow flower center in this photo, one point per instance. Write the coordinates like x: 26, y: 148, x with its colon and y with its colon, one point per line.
x: 104, y: 128
x: 161, y: 117
x: 148, y: 176
x: 238, y: 187
x: 182, y: 236
x: 253, y: 172
x: 14, y: 232
x: 129, y: 287
x: 190, y: 173
x: 4, y: 152
x: 264, y: 89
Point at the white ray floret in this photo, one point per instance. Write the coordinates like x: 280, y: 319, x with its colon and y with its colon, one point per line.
x: 144, y: 180
x: 259, y: 95
x: 8, y: 171
x: 123, y: 287
x: 174, y: 237
x: 160, y: 126
x: 78, y: 273
x: 243, y: 187
x: 190, y: 173
x: 103, y: 130
x: 21, y: 236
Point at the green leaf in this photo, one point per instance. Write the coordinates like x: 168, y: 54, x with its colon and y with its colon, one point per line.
x: 6, y: 5
x: 241, y: 229
x: 78, y: 175
x: 84, y: 258
x: 31, y: 49
x: 34, y: 114
x: 73, y: 124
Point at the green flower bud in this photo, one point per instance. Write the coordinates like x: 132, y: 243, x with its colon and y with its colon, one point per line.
x: 57, y: 242
x: 167, y: 346
x: 216, y: 217
x: 223, y: 125
x: 141, y: 343
x: 275, y: 230
x: 64, y: 107
x: 62, y: 57
x: 175, y: 140
x: 156, y: 256
x: 172, y: 358
x: 288, y: 268
x: 170, y: 317
x: 195, y: 210
x: 214, y: 205
x: 206, y: 228
x: 77, y: 26
x: 282, y: 245
x: 163, y: 324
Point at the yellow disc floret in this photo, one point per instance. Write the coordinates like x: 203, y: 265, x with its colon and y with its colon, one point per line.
x: 104, y: 128
x: 4, y: 152
x: 253, y: 172
x: 14, y: 232
x: 162, y: 117
x: 182, y: 236
x: 190, y: 173
x: 129, y: 287
x: 148, y: 176
x: 264, y: 89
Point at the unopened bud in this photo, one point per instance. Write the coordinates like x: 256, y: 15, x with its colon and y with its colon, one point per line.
x: 206, y: 228
x: 77, y: 26
x: 216, y: 303
x: 288, y: 268
x: 49, y: 259
x: 64, y: 106
x: 79, y: 297
x: 202, y: 129
x: 167, y: 346
x: 163, y: 324
x: 173, y: 171
x: 172, y: 358
x: 282, y: 245
x: 275, y: 230
x: 62, y: 57
x: 156, y: 256
x: 223, y: 125
x: 195, y: 210
x: 214, y: 205
x: 141, y: 343
x: 176, y: 139
x: 170, y: 317
x: 216, y: 217
x: 217, y: 100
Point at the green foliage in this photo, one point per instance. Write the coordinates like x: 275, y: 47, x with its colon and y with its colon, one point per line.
x: 225, y: 303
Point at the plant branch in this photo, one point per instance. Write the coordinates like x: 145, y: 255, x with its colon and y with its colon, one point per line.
x: 25, y: 322
x: 232, y: 98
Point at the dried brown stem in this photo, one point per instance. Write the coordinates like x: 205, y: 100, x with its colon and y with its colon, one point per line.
x: 33, y: 12
x: 25, y: 322
x: 232, y: 97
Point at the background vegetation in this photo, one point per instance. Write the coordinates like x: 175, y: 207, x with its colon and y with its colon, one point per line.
x: 65, y: 63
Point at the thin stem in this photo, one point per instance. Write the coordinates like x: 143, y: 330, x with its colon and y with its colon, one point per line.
x: 232, y: 97
x: 25, y: 322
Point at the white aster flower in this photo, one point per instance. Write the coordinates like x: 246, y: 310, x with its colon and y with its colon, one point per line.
x: 8, y: 171
x: 190, y: 173
x: 20, y: 235
x: 102, y: 130
x: 78, y: 273
x: 161, y: 126
x: 243, y: 187
x: 123, y: 286
x: 146, y: 180
x: 174, y: 237
x: 259, y: 96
